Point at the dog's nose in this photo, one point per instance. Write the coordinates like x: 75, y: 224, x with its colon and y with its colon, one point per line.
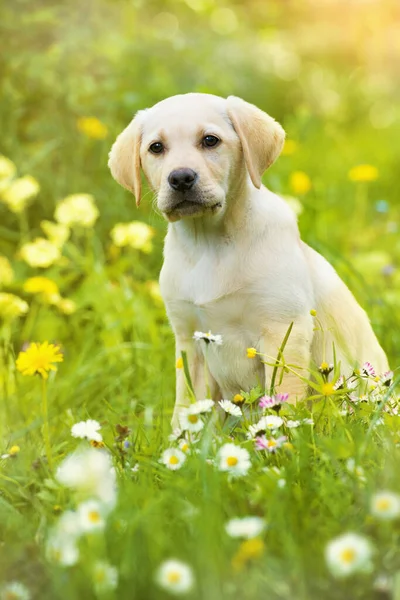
x: 182, y: 180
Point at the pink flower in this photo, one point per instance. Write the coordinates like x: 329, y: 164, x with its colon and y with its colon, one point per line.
x: 271, y: 401
x: 386, y: 378
x: 368, y: 370
x: 271, y: 444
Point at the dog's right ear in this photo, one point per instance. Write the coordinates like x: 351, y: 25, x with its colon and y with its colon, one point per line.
x: 124, y: 157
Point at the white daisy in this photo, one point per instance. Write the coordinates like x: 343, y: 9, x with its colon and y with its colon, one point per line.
x: 270, y: 422
x: 184, y: 445
x: 347, y: 554
x: 91, y: 516
x: 246, y: 527
x: 234, y: 459
x: 385, y: 505
x: 88, y: 430
x: 62, y: 549
x: 190, y: 419
x: 173, y: 458
x: 230, y: 408
x: 105, y: 577
x: 175, y: 577
x: 292, y: 424
x: 209, y: 337
x: 202, y: 406
x: 15, y: 591
x: 90, y: 472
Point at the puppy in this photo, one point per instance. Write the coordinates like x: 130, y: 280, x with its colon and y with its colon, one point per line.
x: 234, y: 262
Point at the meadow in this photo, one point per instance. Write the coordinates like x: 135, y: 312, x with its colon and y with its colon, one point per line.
x: 98, y: 497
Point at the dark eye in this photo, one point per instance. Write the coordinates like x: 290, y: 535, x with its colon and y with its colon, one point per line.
x: 156, y: 148
x: 210, y: 140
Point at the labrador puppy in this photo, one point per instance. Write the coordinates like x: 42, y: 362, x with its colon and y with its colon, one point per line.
x: 234, y: 261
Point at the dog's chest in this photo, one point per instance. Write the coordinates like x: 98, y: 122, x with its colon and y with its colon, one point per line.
x: 197, y: 304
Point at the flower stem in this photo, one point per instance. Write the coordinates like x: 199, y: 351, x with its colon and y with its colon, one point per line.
x: 46, y: 433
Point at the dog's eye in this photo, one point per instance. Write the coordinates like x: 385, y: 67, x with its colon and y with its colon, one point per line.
x: 210, y: 140
x: 156, y: 148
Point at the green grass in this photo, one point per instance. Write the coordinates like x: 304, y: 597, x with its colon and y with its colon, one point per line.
x: 63, y: 62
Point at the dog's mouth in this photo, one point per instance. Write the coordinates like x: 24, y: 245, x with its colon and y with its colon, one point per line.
x: 187, y: 208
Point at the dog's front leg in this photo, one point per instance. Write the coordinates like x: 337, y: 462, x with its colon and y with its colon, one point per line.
x: 296, y: 355
x: 204, y: 385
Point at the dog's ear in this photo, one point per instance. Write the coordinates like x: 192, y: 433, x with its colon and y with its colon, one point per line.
x: 261, y: 136
x: 124, y: 157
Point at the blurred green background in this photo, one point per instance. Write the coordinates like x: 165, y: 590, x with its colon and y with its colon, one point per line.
x: 327, y: 70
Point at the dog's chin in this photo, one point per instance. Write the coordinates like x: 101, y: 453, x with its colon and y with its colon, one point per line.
x: 192, y: 208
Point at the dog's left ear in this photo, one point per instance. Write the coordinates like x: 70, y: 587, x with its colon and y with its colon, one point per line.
x: 261, y: 136
x: 124, y: 158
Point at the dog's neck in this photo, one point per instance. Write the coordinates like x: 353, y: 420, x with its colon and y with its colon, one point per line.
x: 227, y: 225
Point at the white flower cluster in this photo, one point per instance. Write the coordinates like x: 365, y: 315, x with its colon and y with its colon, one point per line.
x: 90, y: 474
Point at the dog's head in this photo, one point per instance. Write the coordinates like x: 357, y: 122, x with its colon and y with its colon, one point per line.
x: 192, y: 148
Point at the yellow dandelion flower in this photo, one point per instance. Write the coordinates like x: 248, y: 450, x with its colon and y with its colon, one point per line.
x: 40, y: 253
x: 44, y: 287
x: 13, y: 451
x: 20, y: 192
x: 328, y: 389
x: 12, y: 306
x: 251, y: 352
x: 238, y: 398
x: 179, y: 363
x: 248, y: 550
x: 39, y: 358
x: 92, y: 127
x: 289, y: 148
x: 299, y: 182
x: 57, y: 233
x: 7, y: 168
x: 363, y: 173
x: 6, y: 272
x: 77, y: 209
x: 137, y: 235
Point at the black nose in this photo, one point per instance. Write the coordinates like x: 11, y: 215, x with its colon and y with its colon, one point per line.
x: 182, y: 179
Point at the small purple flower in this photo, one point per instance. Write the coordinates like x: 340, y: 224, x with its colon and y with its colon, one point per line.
x: 127, y: 444
x: 368, y: 370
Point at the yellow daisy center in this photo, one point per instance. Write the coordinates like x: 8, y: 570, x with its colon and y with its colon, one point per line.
x: 94, y: 516
x: 383, y: 504
x: 185, y: 447
x: 173, y: 577
x: 173, y: 460
x: 232, y: 461
x: 193, y: 418
x: 271, y: 443
x: 348, y: 555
